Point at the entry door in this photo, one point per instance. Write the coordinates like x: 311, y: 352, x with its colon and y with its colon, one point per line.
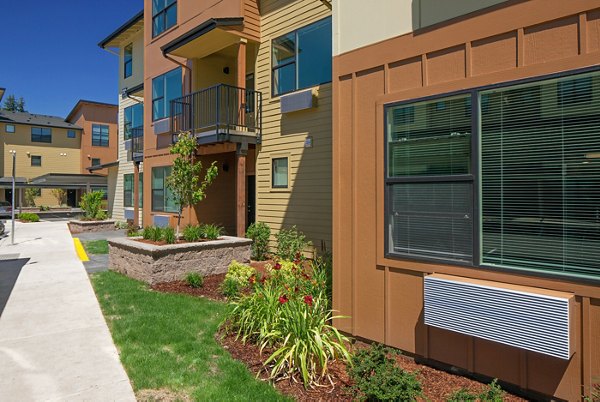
x: 251, y: 189
x: 72, y: 198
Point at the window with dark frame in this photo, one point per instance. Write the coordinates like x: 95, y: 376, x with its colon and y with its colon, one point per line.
x: 128, y: 60
x: 165, y: 88
x: 41, y: 134
x: 9, y: 128
x: 164, y: 15
x: 71, y: 134
x: 134, y: 119
x: 527, y: 197
x: 100, y: 135
x: 302, y: 58
x: 36, y: 160
x: 162, y: 197
x: 279, y: 172
x: 128, y: 189
x: 96, y: 162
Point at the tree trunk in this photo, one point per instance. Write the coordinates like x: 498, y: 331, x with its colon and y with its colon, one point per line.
x: 178, y: 221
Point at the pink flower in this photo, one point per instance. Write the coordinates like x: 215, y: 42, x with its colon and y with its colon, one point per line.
x: 308, y: 299
x: 277, y: 267
x: 283, y: 299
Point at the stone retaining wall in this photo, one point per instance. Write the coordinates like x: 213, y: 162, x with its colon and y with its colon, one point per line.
x: 77, y: 226
x: 165, y: 263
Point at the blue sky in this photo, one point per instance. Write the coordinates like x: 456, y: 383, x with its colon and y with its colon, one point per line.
x: 50, y: 54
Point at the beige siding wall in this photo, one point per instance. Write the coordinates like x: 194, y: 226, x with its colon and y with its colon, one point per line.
x: 124, y: 167
x: 307, y: 202
x: 137, y: 76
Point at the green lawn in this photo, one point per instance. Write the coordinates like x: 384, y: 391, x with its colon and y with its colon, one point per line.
x: 166, y: 342
x: 96, y: 246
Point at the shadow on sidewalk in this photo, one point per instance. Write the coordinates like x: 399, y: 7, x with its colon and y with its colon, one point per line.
x: 9, y: 272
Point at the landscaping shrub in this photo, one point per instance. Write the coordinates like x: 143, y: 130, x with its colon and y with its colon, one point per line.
x: 132, y: 230
x: 29, y: 217
x: 377, y: 377
x: 260, y: 233
x: 194, y: 280
x: 288, y: 312
x: 462, y: 395
x: 493, y: 393
x: 192, y: 233
x: 211, y: 231
x: 156, y: 233
x: 91, y: 204
x: 147, y: 233
x: 291, y: 243
x: 44, y: 208
x: 30, y: 195
x: 237, y: 278
x: 168, y: 234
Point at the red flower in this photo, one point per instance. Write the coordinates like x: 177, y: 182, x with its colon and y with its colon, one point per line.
x: 263, y: 279
x: 283, y: 299
x: 277, y: 267
x: 252, y: 280
x: 296, y: 289
x: 308, y: 299
x: 305, y: 276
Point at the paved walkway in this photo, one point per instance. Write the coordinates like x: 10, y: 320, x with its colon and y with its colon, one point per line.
x: 54, y: 342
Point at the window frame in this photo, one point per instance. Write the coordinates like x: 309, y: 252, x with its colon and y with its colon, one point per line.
x: 274, y: 68
x: 476, y: 107
x: 37, y: 157
x: 40, y: 137
x: 128, y: 125
x: 164, y: 189
x: 163, y: 11
x: 71, y: 134
x: 126, y: 199
x: 273, y: 186
x: 128, y: 61
x: 6, y: 130
x: 100, y: 142
x: 167, y: 108
x: 96, y: 164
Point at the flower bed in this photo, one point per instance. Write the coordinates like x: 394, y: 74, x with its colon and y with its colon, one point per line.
x: 172, y: 262
x: 80, y: 226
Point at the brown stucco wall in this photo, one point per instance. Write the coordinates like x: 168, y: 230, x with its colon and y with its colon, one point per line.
x: 384, y: 297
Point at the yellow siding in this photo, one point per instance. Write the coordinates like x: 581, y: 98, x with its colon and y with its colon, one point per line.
x: 307, y: 204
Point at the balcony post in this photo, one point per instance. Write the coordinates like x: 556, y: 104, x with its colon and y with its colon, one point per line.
x: 241, y: 82
x: 136, y: 194
x: 240, y: 189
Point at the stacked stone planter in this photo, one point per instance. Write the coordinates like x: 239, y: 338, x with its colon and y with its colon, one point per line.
x: 166, y: 263
x: 78, y: 226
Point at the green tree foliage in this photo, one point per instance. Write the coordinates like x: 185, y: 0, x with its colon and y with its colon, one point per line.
x: 30, y: 194
x: 13, y: 104
x: 91, y: 204
x: 60, y: 195
x: 184, y: 180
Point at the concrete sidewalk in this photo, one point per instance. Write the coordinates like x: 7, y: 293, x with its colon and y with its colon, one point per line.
x: 54, y: 342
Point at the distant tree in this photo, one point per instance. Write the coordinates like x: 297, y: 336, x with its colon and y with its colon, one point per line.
x: 60, y: 195
x: 13, y: 105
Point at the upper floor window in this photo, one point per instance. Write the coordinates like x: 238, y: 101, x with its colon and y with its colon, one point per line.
x: 302, y: 58
x: 41, y: 134
x: 99, y: 135
x: 9, y: 128
x: 36, y: 160
x: 71, y: 134
x: 279, y: 173
x: 128, y: 61
x: 164, y: 15
x: 128, y: 189
x: 134, y: 119
x: 96, y: 162
x: 165, y: 88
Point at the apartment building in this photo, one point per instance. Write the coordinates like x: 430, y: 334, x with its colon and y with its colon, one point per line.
x: 232, y: 73
x: 466, y: 170
x: 127, y: 42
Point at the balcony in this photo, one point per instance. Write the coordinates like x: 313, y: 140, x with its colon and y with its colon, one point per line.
x: 221, y: 113
x: 135, y: 145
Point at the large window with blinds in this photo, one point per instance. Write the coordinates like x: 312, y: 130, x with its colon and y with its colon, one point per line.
x: 505, y: 177
x: 429, y: 182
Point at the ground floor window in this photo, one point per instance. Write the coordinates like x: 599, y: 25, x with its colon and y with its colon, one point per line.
x: 128, y: 189
x: 162, y: 198
x: 499, y: 177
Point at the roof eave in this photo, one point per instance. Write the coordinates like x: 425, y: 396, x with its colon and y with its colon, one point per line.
x: 120, y: 30
x: 200, y: 30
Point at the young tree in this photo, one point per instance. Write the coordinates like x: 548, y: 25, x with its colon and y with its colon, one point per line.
x: 184, y: 180
x: 30, y: 194
x: 60, y: 195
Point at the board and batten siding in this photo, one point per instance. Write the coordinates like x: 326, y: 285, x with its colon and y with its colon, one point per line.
x: 307, y: 203
x: 124, y: 167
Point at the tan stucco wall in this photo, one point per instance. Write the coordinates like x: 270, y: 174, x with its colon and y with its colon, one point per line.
x: 137, y: 76
x: 307, y: 201
x: 359, y: 23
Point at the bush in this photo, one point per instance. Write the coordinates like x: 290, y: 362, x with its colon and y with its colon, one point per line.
x: 156, y: 233
x: 147, y: 233
x: 44, y: 208
x: 237, y: 278
x: 194, y: 280
x: 168, y: 234
x: 376, y: 377
x: 91, y: 204
x: 462, y: 395
x: 288, y: 313
x: 192, y: 233
x: 29, y: 217
x: 260, y: 233
x: 211, y: 231
x: 30, y: 194
x: 290, y: 244
x: 493, y: 393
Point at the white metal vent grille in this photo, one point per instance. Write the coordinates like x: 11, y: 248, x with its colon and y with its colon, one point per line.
x: 531, y: 321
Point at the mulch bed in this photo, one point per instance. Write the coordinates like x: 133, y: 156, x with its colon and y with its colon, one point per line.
x: 437, y: 384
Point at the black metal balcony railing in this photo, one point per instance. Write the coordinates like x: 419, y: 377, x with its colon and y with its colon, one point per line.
x: 221, y: 110
x: 136, y: 151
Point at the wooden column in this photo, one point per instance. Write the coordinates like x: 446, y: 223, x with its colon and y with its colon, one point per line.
x: 240, y: 189
x: 136, y: 194
x: 241, y: 79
